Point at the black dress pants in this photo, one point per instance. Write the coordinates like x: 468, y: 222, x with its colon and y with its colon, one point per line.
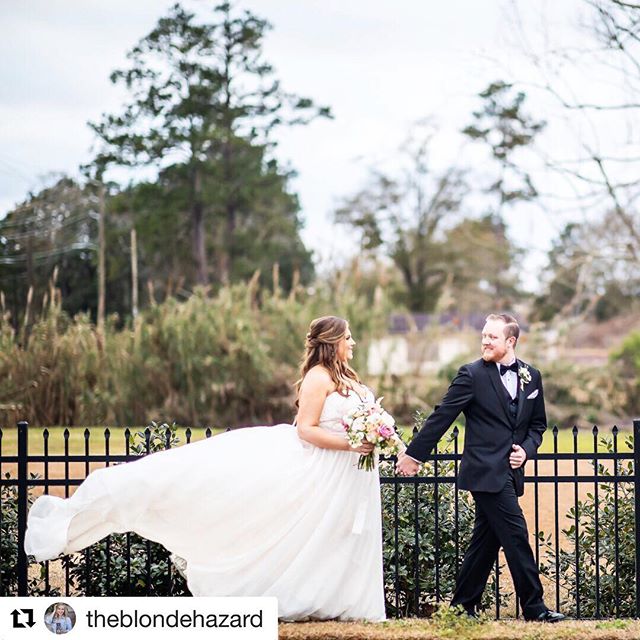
x: 499, y: 523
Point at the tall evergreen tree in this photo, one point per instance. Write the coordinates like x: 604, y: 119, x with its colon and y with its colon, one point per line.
x: 203, y: 107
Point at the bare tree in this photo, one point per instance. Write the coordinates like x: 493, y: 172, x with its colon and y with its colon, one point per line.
x: 593, y: 80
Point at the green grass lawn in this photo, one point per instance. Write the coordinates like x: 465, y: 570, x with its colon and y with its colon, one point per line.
x: 565, y: 440
x: 117, y: 439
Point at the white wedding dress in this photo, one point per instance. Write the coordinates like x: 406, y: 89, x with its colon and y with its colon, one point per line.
x: 254, y: 512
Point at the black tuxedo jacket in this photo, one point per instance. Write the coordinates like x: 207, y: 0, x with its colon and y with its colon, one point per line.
x: 491, y: 429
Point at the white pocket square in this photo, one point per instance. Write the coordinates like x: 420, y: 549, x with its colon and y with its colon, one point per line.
x: 533, y: 395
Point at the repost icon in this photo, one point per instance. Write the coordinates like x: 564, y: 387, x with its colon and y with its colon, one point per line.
x: 22, y: 618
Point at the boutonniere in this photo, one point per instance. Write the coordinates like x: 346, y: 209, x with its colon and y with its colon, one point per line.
x: 525, y: 376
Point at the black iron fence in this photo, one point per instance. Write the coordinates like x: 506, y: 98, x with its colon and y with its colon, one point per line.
x: 582, y: 507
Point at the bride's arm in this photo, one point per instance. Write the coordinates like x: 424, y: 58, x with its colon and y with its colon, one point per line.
x: 315, y: 388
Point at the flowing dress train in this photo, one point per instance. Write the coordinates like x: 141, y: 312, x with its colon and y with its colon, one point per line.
x: 253, y: 512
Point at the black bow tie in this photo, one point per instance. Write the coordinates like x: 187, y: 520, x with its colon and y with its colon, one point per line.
x: 512, y: 367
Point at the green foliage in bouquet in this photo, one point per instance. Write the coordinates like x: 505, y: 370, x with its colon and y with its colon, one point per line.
x: 602, y: 583
x: 411, y: 505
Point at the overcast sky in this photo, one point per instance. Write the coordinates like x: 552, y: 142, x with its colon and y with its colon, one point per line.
x: 381, y: 66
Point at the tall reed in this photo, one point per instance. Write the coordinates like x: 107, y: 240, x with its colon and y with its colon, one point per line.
x: 224, y: 360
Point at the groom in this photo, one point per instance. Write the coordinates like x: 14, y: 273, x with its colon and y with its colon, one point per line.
x: 501, y: 398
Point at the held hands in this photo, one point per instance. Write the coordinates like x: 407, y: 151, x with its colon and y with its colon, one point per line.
x: 517, y: 457
x: 406, y: 466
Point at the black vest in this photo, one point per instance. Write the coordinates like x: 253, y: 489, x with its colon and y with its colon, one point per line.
x: 512, y: 403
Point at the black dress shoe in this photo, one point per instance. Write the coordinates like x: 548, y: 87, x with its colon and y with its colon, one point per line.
x: 549, y: 616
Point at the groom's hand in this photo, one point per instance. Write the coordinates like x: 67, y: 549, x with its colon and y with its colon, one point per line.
x: 517, y: 457
x: 406, y: 466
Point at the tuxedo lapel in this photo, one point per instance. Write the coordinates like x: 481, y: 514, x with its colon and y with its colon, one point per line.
x: 498, y: 387
x: 523, y: 392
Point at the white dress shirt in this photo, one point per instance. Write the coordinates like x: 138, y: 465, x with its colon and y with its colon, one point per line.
x: 509, y: 380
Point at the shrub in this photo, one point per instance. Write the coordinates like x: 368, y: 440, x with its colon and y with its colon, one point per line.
x: 627, y: 362
x: 9, y: 539
x: 226, y: 359
x: 9, y: 544
x: 594, y: 580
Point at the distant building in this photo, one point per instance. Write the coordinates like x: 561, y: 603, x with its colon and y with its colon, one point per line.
x: 422, y: 343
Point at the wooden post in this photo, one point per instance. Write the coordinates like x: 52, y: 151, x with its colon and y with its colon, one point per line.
x: 134, y: 274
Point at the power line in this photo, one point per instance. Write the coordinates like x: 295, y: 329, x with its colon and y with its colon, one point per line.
x: 43, y: 255
x: 31, y: 208
x: 81, y: 217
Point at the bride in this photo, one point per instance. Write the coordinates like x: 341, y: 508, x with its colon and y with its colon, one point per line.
x: 266, y: 511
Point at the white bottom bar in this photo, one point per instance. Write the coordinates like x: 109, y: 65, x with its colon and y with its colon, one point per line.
x: 124, y: 618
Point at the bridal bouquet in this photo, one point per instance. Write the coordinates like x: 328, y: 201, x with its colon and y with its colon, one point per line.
x: 369, y: 422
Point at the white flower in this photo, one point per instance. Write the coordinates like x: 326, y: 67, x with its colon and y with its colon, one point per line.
x: 387, y: 419
x: 364, y: 423
x: 525, y: 376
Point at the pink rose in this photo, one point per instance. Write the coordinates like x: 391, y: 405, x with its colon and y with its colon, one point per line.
x: 385, y: 431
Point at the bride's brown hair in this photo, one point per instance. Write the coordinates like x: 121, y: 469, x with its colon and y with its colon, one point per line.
x: 321, y: 348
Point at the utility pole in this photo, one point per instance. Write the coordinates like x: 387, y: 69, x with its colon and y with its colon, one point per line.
x: 101, y: 252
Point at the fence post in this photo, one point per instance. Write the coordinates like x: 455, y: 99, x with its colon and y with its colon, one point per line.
x: 23, y: 504
x: 636, y: 491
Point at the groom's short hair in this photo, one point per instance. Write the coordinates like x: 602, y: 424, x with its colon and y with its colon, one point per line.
x: 511, y: 326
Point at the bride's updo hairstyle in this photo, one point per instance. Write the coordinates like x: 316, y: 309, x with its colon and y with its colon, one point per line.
x: 321, y: 348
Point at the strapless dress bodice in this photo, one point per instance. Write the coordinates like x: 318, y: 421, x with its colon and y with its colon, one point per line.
x: 336, y: 406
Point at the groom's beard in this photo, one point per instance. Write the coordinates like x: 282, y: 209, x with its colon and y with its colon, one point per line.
x: 493, y: 354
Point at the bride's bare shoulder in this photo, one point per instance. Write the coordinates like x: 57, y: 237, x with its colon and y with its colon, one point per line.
x: 318, y: 378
